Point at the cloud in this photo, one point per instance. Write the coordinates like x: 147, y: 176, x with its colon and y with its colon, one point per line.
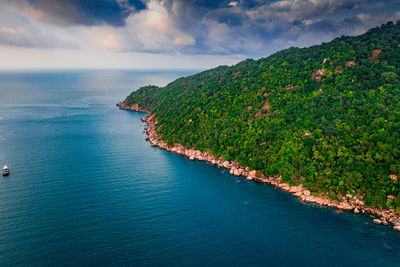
x: 395, y: 17
x: 32, y: 38
x: 79, y: 12
x: 17, y: 30
x: 151, y: 30
x: 259, y: 27
x: 252, y: 28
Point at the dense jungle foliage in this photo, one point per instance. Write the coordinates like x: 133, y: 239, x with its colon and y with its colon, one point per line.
x: 327, y: 116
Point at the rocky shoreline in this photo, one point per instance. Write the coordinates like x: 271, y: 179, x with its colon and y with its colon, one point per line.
x: 349, y: 202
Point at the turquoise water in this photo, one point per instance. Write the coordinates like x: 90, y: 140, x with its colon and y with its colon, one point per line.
x: 86, y: 189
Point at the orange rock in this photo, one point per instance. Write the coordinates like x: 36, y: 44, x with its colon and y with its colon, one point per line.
x: 317, y: 76
x: 225, y: 164
x: 345, y: 206
x: 350, y: 63
x: 374, y: 55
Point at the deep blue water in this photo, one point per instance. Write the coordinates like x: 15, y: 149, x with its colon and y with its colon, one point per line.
x: 86, y: 189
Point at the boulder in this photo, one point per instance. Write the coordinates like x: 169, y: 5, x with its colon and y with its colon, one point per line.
x: 285, y: 186
x: 350, y: 64
x: 377, y: 221
x: 356, y: 211
x: 390, y: 198
x: 256, y: 174
x: 345, y: 206
x: 396, y: 228
x: 338, y: 71
x: 307, y: 134
x: 191, y: 157
x: 311, y: 199
x: 289, y: 88
x: 293, y: 189
x: 253, y: 173
x: 306, y: 193
x: 317, y: 76
x: 225, y: 164
x: 298, y: 194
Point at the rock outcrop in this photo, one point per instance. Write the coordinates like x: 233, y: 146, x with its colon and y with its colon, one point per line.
x: 317, y: 76
x: 375, y: 55
x: 377, y: 221
x: 134, y: 107
x: 350, y: 64
x: 264, y: 110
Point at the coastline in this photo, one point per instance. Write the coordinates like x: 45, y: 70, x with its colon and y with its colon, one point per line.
x: 350, y: 203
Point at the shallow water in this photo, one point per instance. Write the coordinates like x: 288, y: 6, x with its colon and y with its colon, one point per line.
x: 85, y: 188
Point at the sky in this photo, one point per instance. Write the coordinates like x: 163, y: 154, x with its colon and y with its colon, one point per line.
x: 173, y: 34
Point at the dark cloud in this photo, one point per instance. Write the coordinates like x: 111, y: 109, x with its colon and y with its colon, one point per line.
x: 256, y: 27
x: 247, y: 27
x: 225, y: 16
x: 85, y: 12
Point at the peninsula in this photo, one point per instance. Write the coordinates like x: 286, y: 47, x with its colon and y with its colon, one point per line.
x: 320, y: 122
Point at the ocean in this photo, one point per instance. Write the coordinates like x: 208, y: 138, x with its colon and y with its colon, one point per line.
x: 85, y: 188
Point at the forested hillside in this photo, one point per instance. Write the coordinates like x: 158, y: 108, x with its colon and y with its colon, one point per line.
x: 327, y: 116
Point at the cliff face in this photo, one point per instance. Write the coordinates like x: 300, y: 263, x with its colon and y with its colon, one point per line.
x: 134, y: 107
x: 326, y: 117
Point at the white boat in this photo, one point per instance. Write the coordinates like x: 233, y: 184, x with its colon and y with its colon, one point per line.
x: 6, y: 171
